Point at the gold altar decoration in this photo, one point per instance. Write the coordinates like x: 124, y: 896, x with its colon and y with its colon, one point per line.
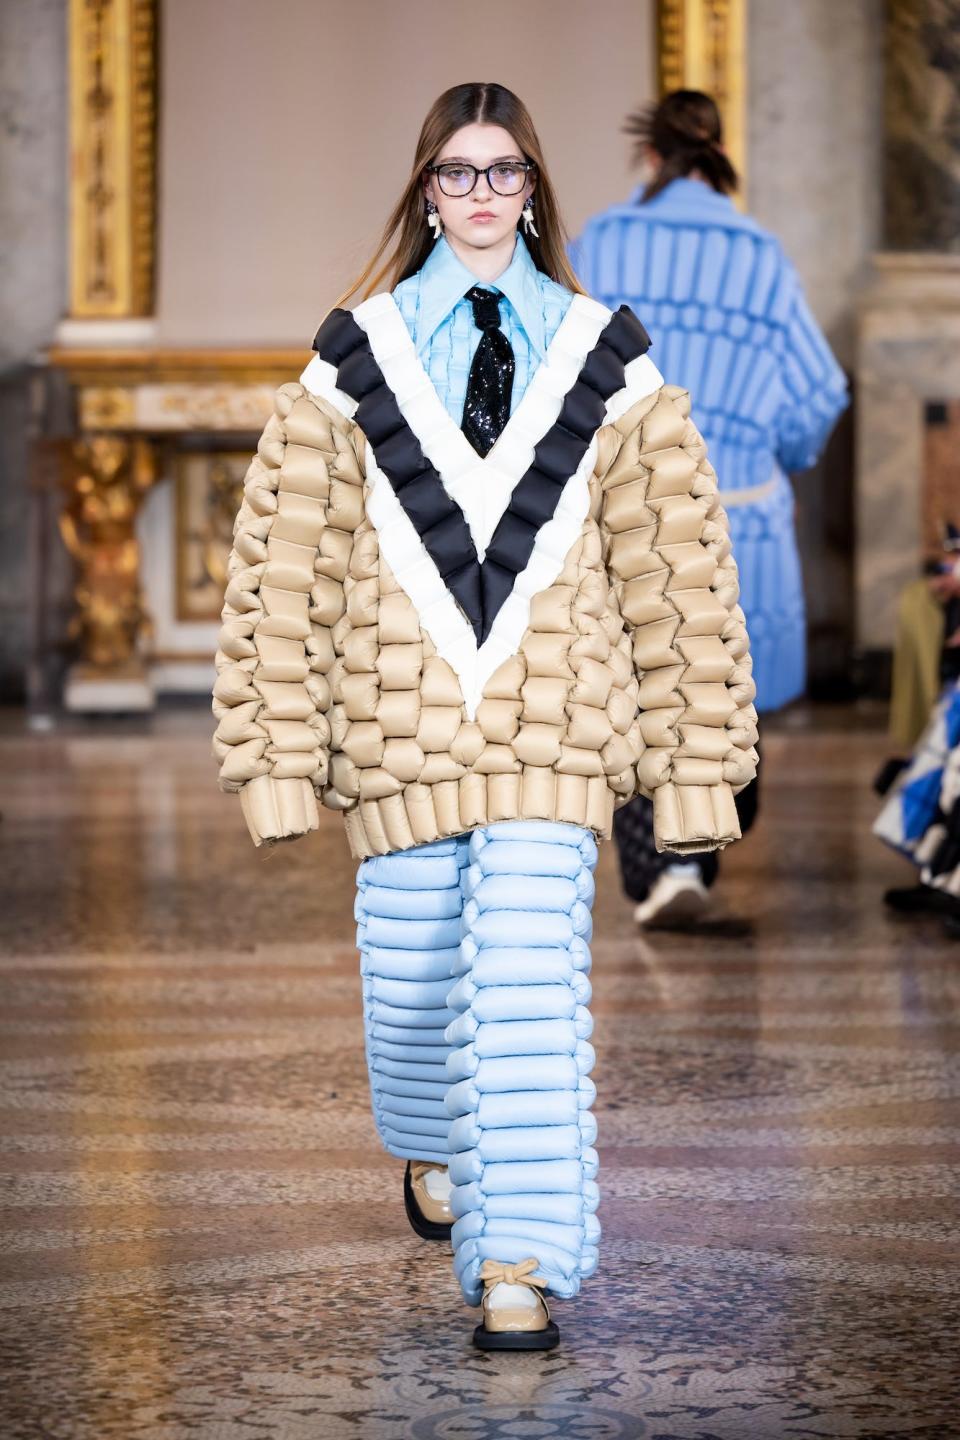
x: 701, y: 45
x: 105, y: 487
x: 142, y: 414
x: 112, y: 156
x: 209, y: 488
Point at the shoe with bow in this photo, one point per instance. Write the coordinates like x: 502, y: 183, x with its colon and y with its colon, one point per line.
x: 426, y: 1199
x: 515, y: 1313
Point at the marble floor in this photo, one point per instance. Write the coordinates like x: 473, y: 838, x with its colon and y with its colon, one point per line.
x: 202, y: 1237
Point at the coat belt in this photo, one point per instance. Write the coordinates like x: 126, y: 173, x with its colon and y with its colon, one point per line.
x: 751, y: 494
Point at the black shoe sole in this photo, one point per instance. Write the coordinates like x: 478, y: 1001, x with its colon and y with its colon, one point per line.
x: 546, y: 1339
x: 921, y: 900
x: 888, y: 773
x: 426, y: 1229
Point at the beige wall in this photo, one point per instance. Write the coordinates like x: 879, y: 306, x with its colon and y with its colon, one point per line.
x: 287, y: 132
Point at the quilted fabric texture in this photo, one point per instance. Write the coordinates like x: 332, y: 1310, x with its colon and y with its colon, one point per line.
x: 475, y: 971
x: 409, y: 910
x: 475, y: 961
x: 523, y: 1161
x: 632, y: 674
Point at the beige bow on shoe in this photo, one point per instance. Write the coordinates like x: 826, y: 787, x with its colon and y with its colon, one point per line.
x: 502, y: 1317
x: 494, y: 1273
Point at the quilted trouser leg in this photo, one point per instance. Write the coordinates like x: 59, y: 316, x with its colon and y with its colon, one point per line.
x: 408, y: 932
x: 522, y: 1160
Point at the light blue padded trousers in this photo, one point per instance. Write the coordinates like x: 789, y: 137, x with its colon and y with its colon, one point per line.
x: 475, y: 961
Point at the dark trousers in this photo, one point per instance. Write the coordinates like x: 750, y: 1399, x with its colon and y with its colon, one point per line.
x: 641, y: 864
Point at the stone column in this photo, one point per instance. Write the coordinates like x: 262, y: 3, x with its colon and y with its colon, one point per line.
x: 112, y: 123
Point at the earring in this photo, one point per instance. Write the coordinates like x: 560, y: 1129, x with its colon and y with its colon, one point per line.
x: 526, y: 215
x: 433, y: 220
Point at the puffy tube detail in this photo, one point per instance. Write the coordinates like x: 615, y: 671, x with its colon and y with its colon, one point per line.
x: 272, y: 698
x: 633, y: 673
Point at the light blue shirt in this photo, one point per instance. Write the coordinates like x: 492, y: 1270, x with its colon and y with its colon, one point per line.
x: 441, y: 322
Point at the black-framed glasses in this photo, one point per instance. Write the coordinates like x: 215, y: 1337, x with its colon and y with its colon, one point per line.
x: 506, y: 177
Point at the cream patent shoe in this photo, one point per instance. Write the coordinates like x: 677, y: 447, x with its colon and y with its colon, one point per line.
x: 515, y: 1314
x: 426, y: 1199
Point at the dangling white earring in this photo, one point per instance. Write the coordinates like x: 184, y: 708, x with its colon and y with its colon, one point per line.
x: 433, y: 220
x: 526, y: 215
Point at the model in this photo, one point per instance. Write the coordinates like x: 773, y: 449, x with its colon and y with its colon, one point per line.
x: 729, y: 322
x: 482, y: 592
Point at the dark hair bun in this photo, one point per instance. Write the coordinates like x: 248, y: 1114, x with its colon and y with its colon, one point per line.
x: 686, y: 131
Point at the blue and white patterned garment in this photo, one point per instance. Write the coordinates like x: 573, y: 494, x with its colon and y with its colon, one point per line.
x: 441, y: 321
x: 728, y: 320
x: 912, y: 806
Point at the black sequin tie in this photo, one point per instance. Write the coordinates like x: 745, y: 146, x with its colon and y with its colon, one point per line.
x: 487, y: 406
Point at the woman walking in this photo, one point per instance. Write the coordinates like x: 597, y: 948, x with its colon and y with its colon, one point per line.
x: 729, y: 322
x: 482, y: 592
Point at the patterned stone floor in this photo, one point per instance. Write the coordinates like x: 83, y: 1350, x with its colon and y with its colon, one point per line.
x: 202, y: 1238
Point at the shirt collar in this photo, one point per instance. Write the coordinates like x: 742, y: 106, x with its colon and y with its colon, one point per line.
x: 685, y: 190
x: 444, y: 280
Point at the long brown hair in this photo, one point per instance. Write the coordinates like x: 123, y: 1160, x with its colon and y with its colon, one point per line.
x: 406, y: 241
x: 686, y: 131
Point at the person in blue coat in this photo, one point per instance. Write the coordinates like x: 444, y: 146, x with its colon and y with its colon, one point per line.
x: 728, y: 320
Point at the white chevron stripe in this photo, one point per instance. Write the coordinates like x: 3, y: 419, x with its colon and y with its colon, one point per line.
x: 465, y: 475
x: 481, y: 486
x: 320, y: 378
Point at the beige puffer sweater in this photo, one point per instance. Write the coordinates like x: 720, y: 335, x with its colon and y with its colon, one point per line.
x: 618, y: 664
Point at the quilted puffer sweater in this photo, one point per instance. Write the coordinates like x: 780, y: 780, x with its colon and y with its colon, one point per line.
x: 429, y: 641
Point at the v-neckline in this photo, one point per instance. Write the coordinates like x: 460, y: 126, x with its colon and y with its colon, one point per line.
x: 444, y: 444
x: 430, y: 496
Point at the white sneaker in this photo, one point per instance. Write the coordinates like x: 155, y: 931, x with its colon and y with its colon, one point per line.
x: 678, y: 898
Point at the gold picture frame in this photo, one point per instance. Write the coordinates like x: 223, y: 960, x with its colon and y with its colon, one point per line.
x: 113, y: 161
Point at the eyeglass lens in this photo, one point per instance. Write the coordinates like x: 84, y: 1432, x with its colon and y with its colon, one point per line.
x: 503, y: 179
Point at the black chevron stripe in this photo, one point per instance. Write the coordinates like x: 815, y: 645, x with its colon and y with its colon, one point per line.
x: 479, y: 588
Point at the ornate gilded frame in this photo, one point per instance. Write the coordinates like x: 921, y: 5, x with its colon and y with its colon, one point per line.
x: 113, y: 113
x: 701, y: 45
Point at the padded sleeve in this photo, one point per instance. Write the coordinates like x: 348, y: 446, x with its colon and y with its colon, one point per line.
x: 668, y: 554
x: 303, y: 497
